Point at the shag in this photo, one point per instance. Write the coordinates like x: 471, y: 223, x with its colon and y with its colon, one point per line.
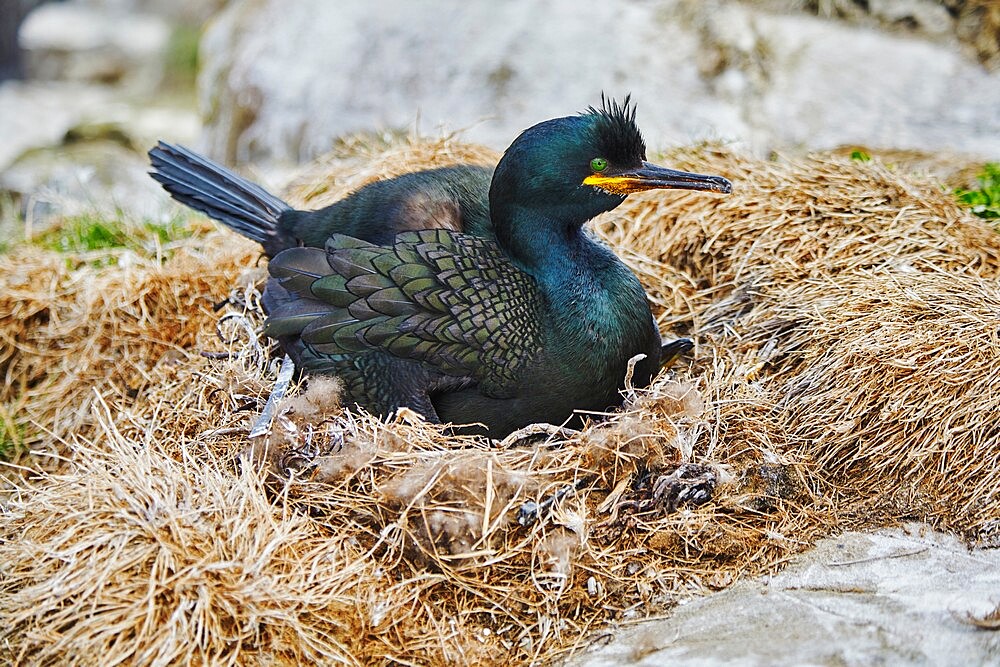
x: 470, y: 295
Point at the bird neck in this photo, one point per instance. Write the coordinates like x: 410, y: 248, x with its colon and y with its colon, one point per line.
x: 579, y: 277
x: 544, y: 248
x: 598, y: 315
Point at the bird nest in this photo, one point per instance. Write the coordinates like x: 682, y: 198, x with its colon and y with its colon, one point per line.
x: 846, y: 319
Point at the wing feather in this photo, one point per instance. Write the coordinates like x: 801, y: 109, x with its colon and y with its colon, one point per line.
x: 452, y: 302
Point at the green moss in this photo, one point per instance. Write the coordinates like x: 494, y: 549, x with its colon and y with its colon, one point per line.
x: 173, y: 229
x: 984, y: 202
x: 860, y: 156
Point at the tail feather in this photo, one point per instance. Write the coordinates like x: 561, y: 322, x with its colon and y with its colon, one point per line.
x: 220, y: 194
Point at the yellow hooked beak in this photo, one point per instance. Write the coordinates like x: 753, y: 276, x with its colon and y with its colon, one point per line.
x: 652, y: 177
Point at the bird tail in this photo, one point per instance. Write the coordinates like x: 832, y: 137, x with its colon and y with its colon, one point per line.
x: 210, y: 188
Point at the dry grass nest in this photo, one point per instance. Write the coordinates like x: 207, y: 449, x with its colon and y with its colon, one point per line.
x: 846, y: 319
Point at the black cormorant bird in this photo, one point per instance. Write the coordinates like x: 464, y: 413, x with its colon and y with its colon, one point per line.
x: 467, y: 294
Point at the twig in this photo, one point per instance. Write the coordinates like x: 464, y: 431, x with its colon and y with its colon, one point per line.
x: 842, y: 563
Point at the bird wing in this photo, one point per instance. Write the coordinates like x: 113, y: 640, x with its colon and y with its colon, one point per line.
x: 451, y: 301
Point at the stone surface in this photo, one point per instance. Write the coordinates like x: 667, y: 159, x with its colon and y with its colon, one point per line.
x: 884, y: 90
x: 69, y: 148
x: 39, y: 115
x: 888, y: 598
x: 33, y: 115
x: 281, y: 80
x: 97, y: 177
x: 73, y: 139
x: 81, y: 41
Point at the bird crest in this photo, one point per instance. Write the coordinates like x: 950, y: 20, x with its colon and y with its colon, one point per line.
x: 616, y: 128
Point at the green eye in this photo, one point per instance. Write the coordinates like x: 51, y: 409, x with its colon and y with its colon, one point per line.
x: 598, y: 164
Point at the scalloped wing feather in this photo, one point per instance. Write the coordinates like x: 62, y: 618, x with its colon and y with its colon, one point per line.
x: 453, y: 302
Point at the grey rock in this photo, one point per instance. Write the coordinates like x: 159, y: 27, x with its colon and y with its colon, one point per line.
x: 71, y: 144
x: 833, y: 84
x: 34, y: 115
x: 281, y: 80
x: 79, y: 41
x: 99, y: 177
x: 69, y: 148
x: 39, y: 115
x: 901, y: 596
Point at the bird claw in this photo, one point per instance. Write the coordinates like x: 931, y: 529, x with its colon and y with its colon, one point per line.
x: 690, y: 483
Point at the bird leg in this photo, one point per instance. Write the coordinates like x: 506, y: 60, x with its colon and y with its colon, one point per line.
x: 285, y: 374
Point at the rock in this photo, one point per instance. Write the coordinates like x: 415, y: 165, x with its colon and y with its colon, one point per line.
x: 33, y: 115
x: 884, y: 90
x: 68, y: 148
x: 39, y: 115
x: 77, y: 41
x: 892, y: 597
x: 975, y: 23
x: 280, y: 81
x: 71, y: 144
x: 94, y: 177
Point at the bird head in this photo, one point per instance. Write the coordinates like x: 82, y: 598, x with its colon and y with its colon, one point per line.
x: 567, y: 170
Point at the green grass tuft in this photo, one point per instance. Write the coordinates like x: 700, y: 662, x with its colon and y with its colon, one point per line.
x: 88, y: 233
x: 82, y: 234
x: 984, y: 202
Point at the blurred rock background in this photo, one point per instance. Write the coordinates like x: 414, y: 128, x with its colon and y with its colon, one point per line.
x: 280, y: 79
x: 89, y: 85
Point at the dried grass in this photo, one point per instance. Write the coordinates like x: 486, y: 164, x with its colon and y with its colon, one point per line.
x: 846, y: 319
x: 71, y: 322
x: 861, y: 308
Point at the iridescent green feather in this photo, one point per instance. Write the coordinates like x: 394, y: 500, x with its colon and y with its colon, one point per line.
x: 450, y: 301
